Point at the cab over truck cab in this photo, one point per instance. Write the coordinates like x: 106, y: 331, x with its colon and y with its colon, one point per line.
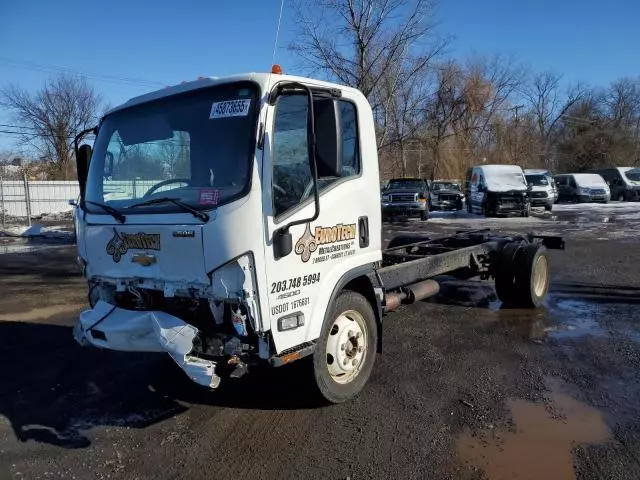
x: 231, y: 222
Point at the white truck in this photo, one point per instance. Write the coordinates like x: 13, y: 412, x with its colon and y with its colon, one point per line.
x: 236, y: 221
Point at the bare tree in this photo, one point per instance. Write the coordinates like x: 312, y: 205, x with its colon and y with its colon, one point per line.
x: 547, y: 105
x: 52, y: 116
x: 376, y: 46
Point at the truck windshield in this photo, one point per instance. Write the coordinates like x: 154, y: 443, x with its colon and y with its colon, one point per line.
x: 445, y: 186
x: 197, y: 145
x: 405, y: 184
x: 537, y: 180
x: 633, y: 174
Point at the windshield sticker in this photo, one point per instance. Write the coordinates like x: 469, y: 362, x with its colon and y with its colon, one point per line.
x: 120, y: 243
x: 230, y: 108
x: 208, y: 196
x: 341, y: 234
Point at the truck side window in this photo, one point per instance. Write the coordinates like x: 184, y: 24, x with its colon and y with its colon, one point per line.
x: 292, y: 182
x: 350, y: 150
x: 291, y: 171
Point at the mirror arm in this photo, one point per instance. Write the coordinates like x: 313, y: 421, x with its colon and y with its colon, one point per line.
x: 80, y: 136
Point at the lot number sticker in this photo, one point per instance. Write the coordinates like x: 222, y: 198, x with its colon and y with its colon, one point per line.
x: 230, y: 108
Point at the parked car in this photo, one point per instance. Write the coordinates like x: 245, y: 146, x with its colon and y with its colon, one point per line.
x: 582, y: 187
x: 543, y: 192
x: 624, y: 182
x: 406, y: 196
x: 446, y: 195
x: 498, y: 190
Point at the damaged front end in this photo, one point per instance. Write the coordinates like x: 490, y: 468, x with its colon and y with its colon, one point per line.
x: 210, y: 331
x: 513, y: 202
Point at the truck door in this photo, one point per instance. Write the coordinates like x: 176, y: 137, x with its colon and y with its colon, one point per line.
x: 323, y: 249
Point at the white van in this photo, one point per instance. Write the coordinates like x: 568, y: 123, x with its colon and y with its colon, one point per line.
x: 498, y: 190
x: 582, y: 187
x: 543, y: 191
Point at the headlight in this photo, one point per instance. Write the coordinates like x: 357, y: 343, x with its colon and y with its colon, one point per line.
x: 386, y: 198
x: 584, y: 191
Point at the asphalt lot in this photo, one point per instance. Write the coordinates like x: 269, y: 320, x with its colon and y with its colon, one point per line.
x: 464, y: 388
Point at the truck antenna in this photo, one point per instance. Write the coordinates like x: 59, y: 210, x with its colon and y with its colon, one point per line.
x: 275, y: 43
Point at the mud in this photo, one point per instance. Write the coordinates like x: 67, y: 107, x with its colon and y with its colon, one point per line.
x: 540, y: 443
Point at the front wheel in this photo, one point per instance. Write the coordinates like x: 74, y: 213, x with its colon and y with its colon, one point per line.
x: 424, y: 215
x: 346, y: 350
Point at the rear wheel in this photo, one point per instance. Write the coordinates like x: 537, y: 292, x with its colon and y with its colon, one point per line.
x: 522, y: 275
x: 346, y: 350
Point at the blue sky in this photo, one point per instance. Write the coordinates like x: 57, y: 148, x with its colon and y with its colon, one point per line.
x: 168, y: 41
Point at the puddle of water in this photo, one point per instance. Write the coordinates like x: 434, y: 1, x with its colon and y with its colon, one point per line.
x: 540, y: 445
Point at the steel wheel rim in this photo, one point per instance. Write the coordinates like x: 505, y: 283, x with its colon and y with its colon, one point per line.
x: 346, y: 348
x: 540, y: 275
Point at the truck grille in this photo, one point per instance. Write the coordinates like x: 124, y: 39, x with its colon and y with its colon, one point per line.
x: 597, y: 191
x: 403, y: 197
x: 539, y: 195
x: 447, y: 197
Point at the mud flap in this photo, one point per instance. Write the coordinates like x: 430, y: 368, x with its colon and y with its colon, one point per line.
x: 106, y: 326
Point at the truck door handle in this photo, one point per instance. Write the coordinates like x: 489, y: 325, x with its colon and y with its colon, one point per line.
x: 363, y: 229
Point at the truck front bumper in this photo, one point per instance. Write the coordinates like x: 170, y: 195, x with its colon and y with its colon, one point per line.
x: 404, y: 208
x: 110, y: 327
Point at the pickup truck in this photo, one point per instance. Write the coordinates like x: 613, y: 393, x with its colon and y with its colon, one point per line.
x: 407, y: 197
x: 256, y: 240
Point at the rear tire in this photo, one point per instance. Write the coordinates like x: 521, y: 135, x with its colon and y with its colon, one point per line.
x: 525, y: 282
x: 531, y: 275
x: 505, y: 273
x: 346, y: 350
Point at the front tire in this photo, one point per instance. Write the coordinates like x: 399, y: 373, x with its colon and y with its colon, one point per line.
x: 424, y: 215
x: 346, y: 350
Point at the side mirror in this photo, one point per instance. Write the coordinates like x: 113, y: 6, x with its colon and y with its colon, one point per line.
x: 83, y: 157
x: 328, y: 141
x: 73, y: 202
x: 282, y: 243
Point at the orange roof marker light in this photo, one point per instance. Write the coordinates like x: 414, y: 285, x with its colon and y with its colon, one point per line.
x: 277, y: 69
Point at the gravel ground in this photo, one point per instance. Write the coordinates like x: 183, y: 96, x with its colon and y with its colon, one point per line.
x: 464, y: 388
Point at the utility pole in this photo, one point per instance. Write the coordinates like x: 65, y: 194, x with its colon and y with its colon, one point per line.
x: 516, y: 120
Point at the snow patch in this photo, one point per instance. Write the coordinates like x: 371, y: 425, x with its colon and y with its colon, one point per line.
x: 60, y: 233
